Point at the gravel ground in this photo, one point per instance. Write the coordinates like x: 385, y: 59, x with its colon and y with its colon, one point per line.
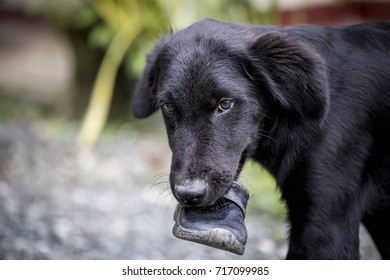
x: 106, y: 203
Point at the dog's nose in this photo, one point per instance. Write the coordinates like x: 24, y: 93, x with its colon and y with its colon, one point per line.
x: 191, y: 192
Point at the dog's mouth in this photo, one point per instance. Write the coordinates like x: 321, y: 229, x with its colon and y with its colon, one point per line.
x: 208, y: 194
x: 216, y: 206
x: 221, y: 202
x: 210, y: 199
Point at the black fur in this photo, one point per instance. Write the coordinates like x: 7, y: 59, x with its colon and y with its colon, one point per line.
x: 311, y: 104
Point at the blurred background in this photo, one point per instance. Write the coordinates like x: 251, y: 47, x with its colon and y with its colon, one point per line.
x: 79, y: 177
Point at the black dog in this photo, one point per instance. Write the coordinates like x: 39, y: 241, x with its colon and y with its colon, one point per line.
x: 311, y: 104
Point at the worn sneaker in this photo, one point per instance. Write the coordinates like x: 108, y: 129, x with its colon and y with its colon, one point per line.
x: 220, y: 225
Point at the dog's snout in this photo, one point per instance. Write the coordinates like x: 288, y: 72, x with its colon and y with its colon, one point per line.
x: 192, y: 192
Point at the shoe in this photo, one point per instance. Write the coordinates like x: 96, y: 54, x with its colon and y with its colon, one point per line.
x: 220, y: 225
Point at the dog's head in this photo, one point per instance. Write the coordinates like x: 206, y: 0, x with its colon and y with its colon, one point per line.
x: 215, y: 84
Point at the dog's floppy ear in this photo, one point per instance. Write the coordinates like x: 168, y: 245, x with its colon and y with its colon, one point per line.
x: 292, y: 72
x: 144, y: 96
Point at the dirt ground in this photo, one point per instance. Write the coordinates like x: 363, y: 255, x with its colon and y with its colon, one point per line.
x: 112, y: 202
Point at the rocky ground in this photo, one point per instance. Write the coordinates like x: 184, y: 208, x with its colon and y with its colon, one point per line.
x: 106, y: 203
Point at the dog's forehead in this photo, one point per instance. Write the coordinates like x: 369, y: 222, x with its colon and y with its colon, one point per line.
x: 197, y: 68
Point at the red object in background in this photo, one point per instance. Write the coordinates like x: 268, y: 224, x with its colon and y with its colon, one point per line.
x: 350, y: 11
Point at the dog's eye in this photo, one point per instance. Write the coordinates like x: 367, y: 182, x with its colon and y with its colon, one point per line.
x: 168, y: 108
x: 224, y: 105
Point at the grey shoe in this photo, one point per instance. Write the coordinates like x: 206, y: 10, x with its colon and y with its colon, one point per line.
x: 220, y: 225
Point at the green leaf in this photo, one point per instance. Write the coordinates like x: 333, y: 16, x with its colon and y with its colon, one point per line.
x: 100, y: 36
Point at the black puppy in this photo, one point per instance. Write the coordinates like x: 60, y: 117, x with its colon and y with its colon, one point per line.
x: 311, y: 104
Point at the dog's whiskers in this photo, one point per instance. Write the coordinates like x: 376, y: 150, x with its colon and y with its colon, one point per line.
x: 161, y: 181
x: 262, y: 133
